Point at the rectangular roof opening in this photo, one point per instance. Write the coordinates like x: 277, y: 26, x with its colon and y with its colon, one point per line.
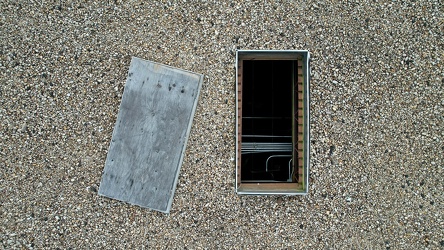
x: 272, y: 139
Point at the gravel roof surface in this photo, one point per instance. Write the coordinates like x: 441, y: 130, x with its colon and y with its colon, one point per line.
x: 377, y: 105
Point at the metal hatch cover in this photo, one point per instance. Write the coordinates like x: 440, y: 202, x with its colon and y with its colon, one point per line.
x: 150, y: 135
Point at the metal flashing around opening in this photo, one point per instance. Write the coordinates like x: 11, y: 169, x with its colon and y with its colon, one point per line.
x: 272, y: 122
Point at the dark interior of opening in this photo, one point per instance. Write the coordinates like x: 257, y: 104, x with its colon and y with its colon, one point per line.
x: 267, y: 121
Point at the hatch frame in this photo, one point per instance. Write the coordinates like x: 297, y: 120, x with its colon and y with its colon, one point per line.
x: 277, y: 188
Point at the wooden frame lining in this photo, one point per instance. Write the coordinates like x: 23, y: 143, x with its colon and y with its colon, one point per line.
x: 299, y: 126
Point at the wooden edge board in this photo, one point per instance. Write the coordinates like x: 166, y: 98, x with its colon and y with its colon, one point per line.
x: 270, y: 187
x: 239, y: 122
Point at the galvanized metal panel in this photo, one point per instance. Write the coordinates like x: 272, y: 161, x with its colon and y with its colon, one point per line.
x: 150, y: 135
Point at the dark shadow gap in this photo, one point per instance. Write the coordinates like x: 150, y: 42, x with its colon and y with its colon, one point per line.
x: 267, y: 120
